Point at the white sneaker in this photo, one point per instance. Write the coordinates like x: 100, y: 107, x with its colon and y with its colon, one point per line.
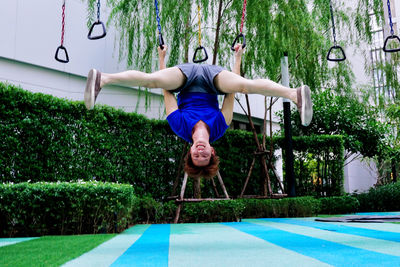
x: 304, y: 105
x: 92, y: 89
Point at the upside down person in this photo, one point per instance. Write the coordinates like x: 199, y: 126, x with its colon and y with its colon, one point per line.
x: 196, y: 116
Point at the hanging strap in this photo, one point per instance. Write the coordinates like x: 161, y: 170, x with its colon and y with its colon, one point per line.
x: 335, y: 47
x: 200, y: 48
x: 98, y: 22
x: 241, y: 35
x: 61, y: 48
x: 392, y: 36
x: 199, y: 16
x: 160, y: 38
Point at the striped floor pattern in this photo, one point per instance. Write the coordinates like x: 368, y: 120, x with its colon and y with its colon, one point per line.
x: 252, y: 242
x: 10, y: 241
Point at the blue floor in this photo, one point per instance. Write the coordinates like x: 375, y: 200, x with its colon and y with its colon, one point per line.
x: 253, y: 242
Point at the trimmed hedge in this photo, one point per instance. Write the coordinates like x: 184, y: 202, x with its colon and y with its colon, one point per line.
x: 381, y: 198
x: 32, y: 209
x: 43, y: 138
x: 339, y: 205
x: 147, y: 210
x: 225, y: 210
x: 286, y: 207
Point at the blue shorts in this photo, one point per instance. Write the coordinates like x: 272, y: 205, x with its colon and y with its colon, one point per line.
x: 199, y: 78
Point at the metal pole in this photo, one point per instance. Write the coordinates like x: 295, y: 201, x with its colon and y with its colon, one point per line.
x: 394, y: 173
x: 289, y: 166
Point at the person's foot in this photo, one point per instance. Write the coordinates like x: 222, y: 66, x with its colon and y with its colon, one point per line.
x: 93, y: 88
x: 304, y: 104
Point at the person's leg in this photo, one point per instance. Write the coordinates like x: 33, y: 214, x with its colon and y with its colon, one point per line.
x: 168, y: 79
x: 229, y: 82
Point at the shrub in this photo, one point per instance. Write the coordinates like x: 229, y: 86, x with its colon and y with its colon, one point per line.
x: 339, y: 205
x: 147, y: 210
x: 286, y: 207
x: 212, y: 211
x: 381, y: 198
x: 225, y: 210
x: 32, y: 209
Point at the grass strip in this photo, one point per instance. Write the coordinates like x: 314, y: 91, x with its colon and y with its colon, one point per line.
x: 50, y: 250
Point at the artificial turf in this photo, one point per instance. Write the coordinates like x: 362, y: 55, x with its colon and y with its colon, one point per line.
x: 49, y: 250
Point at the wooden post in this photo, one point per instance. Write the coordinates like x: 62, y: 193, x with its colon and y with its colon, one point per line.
x: 178, y: 209
x: 248, y: 176
x: 222, y: 184
x: 182, y: 198
x: 214, y: 187
x: 178, y: 175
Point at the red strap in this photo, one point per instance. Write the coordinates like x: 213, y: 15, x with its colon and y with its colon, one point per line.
x: 63, y: 24
x: 243, y: 15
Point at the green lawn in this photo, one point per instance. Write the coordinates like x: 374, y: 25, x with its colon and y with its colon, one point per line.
x: 49, y: 250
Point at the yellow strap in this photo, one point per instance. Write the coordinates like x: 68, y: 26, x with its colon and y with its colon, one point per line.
x: 198, y: 9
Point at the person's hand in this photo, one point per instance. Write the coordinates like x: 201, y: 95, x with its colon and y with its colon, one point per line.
x: 238, y: 50
x: 162, y: 52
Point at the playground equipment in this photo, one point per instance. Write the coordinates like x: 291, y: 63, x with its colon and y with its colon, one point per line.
x: 98, y: 22
x: 160, y: 37
x: 392, y: 36
x: 335, y: 47
x: 241, y: 35
x: 61, y: 48
x: 200, y: 47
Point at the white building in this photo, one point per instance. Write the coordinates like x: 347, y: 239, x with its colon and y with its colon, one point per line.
x: 361, y: 174
x: 30, y: 32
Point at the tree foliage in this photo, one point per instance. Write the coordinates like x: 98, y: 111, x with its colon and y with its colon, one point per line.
x: 300, y: 28
x: 345, y: 115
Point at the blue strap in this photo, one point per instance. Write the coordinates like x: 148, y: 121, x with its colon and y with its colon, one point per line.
x: 160, y: 38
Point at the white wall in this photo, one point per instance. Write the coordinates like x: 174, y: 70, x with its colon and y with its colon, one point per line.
x: 30, y: 32
x: 360, y: 175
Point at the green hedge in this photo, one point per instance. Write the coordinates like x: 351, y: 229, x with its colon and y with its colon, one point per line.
x: 149, y: 211
x: 32, y: 209
x: 339, y: 205
x: 381, y: 198
x: 287, y: 207
x: 43, y: 138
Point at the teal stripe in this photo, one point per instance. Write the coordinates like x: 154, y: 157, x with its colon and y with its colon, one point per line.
x: 105, y: 254
x: 383, y: 235
x: 378, y: 213
x: 390, y: 227
x: 215, y: 244
x: 151, y: 249
x: 377, y: 245
x: 329, y: 252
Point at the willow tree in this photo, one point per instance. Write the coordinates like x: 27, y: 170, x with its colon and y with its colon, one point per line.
x: 385, y: 94
x: 300, y: 28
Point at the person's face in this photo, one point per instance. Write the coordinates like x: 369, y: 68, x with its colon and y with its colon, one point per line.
x: 201, y: 153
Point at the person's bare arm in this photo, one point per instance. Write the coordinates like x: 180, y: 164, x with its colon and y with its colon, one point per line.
x: 229, y: 99
x: 169, y: 99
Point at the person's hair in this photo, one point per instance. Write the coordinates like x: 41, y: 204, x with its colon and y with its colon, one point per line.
x: 207, y: 172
